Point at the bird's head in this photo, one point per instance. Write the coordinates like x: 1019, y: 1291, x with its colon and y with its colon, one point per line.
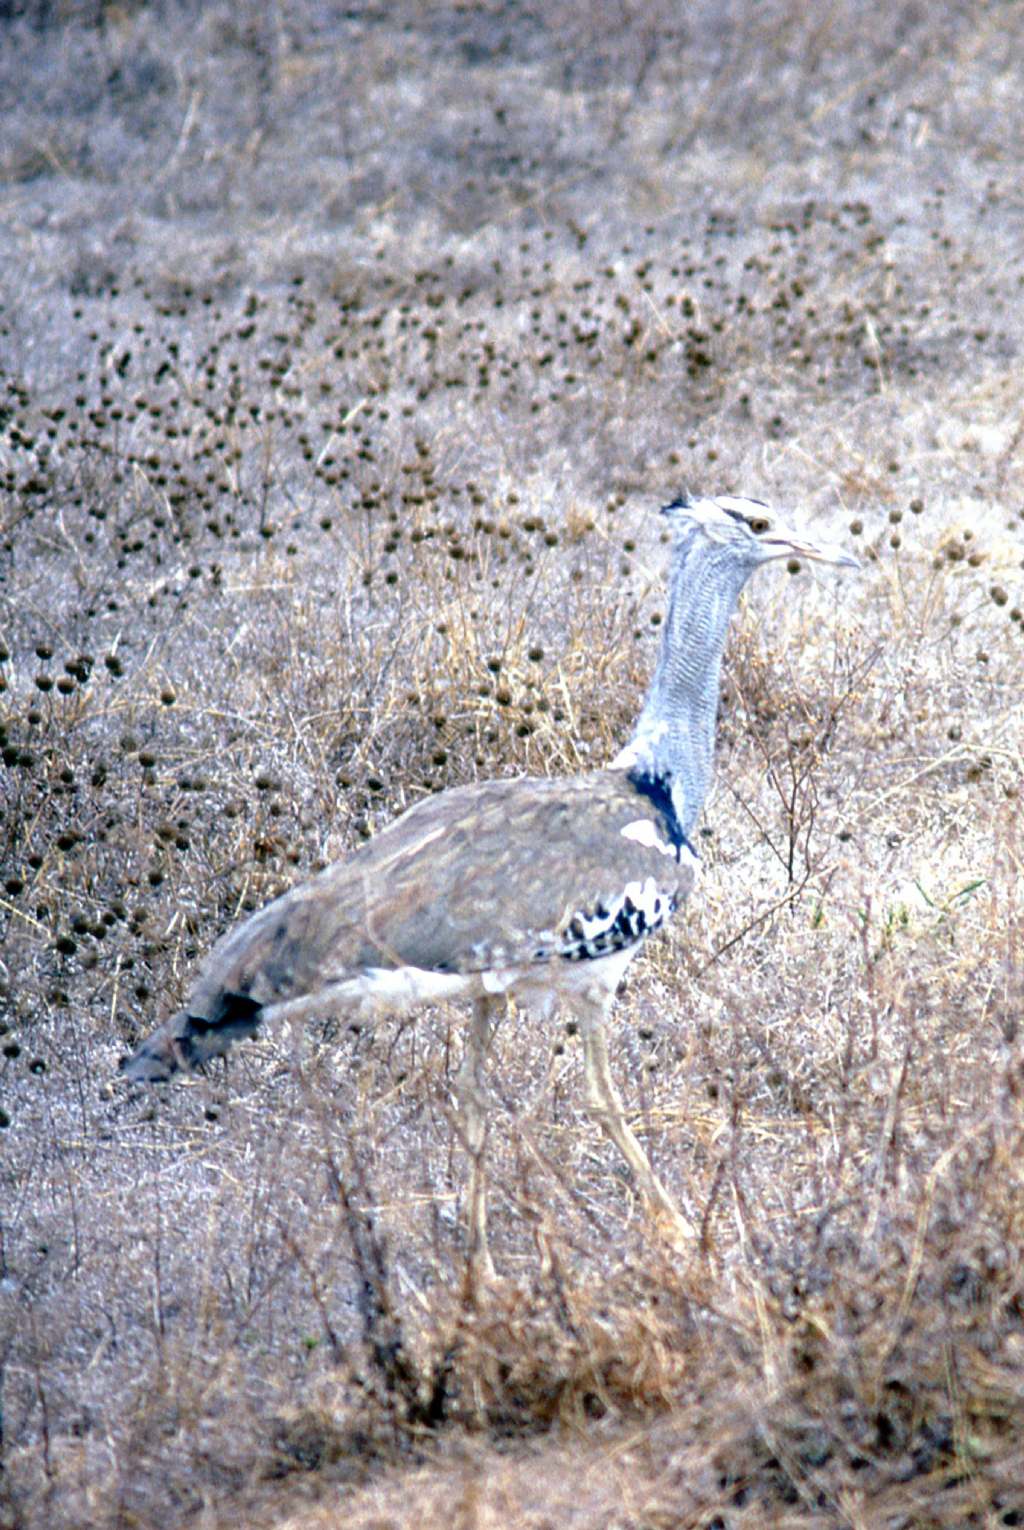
x: 752, y: 530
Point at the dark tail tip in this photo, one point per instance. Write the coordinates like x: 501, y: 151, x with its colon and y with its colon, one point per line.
x: 187, y: 1041
x: 153, y: 1062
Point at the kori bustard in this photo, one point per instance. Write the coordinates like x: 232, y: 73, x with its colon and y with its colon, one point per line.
x: 539, y: 890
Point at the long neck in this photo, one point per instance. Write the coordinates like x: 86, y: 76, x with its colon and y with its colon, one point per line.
x: 674, y: 738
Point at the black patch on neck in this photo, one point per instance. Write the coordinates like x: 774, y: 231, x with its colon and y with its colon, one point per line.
x: 658, y: 791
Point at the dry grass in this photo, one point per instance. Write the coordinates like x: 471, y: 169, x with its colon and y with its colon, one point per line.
x: 343, y: 356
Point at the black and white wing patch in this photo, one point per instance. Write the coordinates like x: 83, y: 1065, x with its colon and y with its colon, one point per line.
x: 640, y: 908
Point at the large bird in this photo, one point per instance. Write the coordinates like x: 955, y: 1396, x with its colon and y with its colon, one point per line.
x: 538, y: 889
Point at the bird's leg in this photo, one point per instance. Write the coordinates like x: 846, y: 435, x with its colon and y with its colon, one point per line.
x: 605, y: 1105
x: 472, y: 1103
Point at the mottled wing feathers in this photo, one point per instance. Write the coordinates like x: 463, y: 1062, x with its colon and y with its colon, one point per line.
x: 496, y: 874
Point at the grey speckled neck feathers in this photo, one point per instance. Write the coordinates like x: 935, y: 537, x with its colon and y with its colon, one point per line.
x: 675, y: 733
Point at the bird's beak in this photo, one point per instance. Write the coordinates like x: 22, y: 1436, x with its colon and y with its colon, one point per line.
x: 789, y: 545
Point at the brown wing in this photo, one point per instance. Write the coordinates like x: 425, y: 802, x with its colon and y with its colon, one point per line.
x: 488, y: 875
x: 500, y: 874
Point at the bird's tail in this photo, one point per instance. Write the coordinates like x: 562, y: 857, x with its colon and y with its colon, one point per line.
x: 186, y: 1041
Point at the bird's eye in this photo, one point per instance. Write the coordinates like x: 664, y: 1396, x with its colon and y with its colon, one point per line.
x: 758, y: 524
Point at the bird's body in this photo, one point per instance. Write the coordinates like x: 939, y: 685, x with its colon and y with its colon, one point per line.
x: 537, y: 889
x: 402, y: 918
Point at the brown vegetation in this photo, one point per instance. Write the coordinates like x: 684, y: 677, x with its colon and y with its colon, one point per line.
x: 344, y: 353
